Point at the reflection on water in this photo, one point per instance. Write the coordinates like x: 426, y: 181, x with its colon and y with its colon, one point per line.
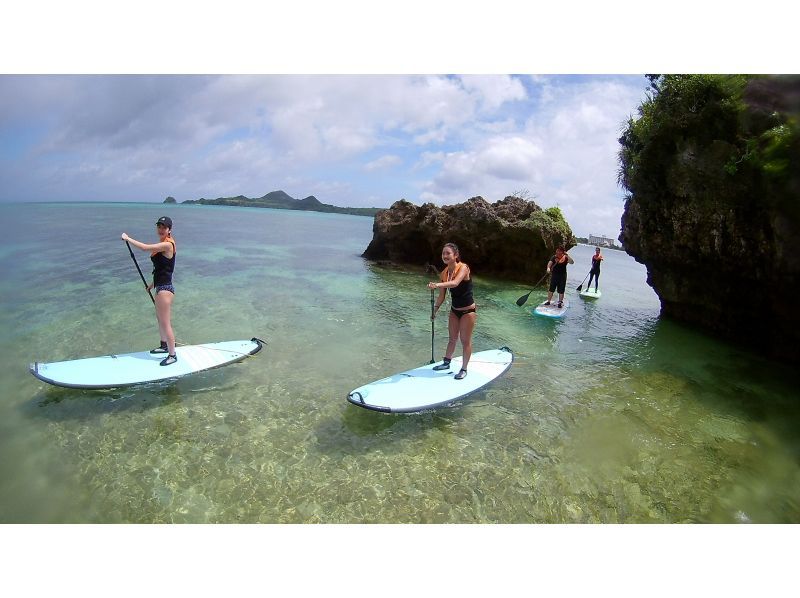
x: 610, y: 415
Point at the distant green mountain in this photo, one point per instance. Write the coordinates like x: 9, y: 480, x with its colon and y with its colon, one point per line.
x: 281, y: 200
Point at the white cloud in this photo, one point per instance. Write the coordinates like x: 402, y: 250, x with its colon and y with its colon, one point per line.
x: 428, y: 158
x: 494, y: 90
x: 511, y: 158
x: 433, y: 136
x: 499, y: 164
x: 383, y: 163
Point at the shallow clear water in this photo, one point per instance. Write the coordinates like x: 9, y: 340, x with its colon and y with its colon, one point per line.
x: 610, y: 415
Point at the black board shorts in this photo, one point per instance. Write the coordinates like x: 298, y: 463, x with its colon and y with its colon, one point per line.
x: 558, y: 283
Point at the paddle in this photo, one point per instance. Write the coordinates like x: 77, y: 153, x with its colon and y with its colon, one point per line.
x: 133, y: 257
x: 521, y: 301
x: 428, y: 268
x: 580, y: 286
x: 432, y: 327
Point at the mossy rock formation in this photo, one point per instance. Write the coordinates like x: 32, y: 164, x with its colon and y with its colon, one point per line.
x: 712, y: 167
x: 512, y: 238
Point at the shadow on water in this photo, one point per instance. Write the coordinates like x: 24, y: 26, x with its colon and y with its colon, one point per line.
x: 358, y: 431
x: 60, y: 404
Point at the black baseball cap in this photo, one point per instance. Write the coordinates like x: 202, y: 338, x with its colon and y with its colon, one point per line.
x: 166, y: 221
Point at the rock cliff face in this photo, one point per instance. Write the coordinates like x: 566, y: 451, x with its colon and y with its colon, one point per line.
x: 512, y: 238
x: 713, y: 171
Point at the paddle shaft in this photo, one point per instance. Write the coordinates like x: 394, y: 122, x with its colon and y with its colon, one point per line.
x: 138, y: 269
x: 580, y: 286
x: 521, y: 301
x: 433, y: 313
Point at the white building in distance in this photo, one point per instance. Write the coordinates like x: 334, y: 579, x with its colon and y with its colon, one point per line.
x: 601, y: 241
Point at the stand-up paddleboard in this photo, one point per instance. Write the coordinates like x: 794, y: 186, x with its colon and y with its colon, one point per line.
x: 552, y: 310
x: 424, y: 388
x: 590, y: 294
x: 113, y: 371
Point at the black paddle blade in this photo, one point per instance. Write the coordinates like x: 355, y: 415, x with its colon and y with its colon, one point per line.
x: 521, y: 301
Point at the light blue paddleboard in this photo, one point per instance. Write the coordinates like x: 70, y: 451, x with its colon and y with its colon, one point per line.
x: 590, y: 294
x: 552, y: 310
x: 423, y: 388
x: 113, y: 371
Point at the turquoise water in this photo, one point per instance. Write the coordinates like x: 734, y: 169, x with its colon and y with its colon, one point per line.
x: 610, y: 415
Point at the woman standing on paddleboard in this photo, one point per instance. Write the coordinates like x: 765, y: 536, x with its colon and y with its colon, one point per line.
x: 595, y: 271
x: 463, y: 315
x: 162, y: 254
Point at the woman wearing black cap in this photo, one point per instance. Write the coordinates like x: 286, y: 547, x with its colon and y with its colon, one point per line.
x: 162, y: 255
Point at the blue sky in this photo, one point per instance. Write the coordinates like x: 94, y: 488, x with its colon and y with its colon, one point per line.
x: 350, y: 140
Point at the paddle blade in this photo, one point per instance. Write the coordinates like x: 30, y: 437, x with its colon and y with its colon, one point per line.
x: 521, y: 301
x: 580, y: 287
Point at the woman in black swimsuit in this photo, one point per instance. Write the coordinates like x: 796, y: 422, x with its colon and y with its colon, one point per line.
x: 461, y: 322
x: 595, y: 271
x: 162, y: 254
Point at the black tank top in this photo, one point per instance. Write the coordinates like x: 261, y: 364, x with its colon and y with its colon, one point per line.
x: 558, y: 269
x: 461, y: 295
x: 163, y: 267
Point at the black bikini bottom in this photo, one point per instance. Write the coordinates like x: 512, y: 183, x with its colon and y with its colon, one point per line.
x: 462, y: 313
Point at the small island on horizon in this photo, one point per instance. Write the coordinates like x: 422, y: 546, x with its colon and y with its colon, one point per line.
x: 279, y: 200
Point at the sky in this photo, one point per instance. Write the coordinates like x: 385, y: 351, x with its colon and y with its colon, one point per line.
x: 349, y: 140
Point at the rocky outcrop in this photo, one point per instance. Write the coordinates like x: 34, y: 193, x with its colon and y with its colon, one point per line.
x: 512, y: 238
x: 170, y: 199
x: 713, y: 171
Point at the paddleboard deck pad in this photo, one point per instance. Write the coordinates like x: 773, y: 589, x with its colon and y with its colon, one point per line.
x: 552, y: 310
x: 425, y: 388
x: 114, y: 371
x: 590, y: 294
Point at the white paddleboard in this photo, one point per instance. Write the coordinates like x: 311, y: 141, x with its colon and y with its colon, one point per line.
x: 424, y: 388
x: 552, y: 310
x: 590, y: 294
x: 113, y: 371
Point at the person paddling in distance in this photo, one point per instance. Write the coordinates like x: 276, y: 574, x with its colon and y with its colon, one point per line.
x: 463, y: 314
x: 557, y: 268
x: 162, y: 254
x: 595, y: 271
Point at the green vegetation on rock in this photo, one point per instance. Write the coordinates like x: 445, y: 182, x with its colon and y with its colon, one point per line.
x: 552, y: 225
x: 712, y: 167
x: 722, y: 136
